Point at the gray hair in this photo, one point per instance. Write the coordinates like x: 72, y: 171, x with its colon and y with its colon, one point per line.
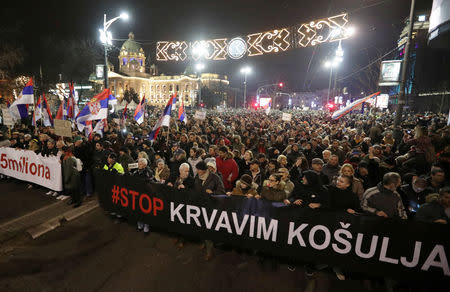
x: 143, y: 160
x: 184, y: 165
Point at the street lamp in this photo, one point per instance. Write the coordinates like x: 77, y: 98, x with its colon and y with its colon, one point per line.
x: 106, y: 39
x: 199, y: 67
x: 245, y: 70
x: 338, y: 58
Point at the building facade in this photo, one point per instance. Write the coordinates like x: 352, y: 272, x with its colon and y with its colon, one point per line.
x: 157, y: 88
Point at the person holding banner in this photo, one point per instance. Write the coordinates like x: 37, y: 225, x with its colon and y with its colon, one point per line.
x: 71, y: 177
x: 208, y: 183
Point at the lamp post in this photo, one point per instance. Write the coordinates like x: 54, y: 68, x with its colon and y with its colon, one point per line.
x: 401, y: 93
x: 245, y: 70
x: 198, y: 69
x: 106, y: 39
x: 338, y: 58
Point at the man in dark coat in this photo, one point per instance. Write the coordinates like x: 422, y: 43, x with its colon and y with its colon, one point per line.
x: 207, y: 182
x: 437, y: 211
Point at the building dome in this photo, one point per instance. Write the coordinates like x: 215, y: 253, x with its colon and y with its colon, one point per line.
x: 132, y: 57
x: 131, y: 46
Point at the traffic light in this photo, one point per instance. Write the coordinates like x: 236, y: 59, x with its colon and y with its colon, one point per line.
x: 281, y: 85
x: 202, y: 104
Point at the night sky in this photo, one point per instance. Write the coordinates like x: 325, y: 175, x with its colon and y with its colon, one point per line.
x: 378, y: 26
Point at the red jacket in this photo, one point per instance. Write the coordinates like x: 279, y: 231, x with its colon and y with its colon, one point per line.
x: 227, y: 167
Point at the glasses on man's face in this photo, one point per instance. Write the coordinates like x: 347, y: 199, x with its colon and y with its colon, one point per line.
x: 273, y: 180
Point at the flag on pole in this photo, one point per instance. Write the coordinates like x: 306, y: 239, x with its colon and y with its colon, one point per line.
x: 71, y: 102
x: 164, y: 120
x: 340, y: 113
x: 139, y: 112
x: 181, y: 113
x: 46, y: 113
x: 37, y: 115
x: 96, y: 109
x: 60, y: 115
x: 19, y: 108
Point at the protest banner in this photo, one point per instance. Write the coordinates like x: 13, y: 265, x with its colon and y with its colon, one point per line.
x: 200, y: 115
x: 286, y: 117
x: 7, y: 118
x: 63, y: 128
x: 29, y: 166
x: 363, y: 243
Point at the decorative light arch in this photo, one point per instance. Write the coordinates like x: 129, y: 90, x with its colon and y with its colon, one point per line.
x: 315, y: 32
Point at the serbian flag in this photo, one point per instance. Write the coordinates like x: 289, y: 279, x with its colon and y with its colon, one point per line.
x: 96, y: 109
x: 19, y: 108
x: 71, y: 102
x: 342, y: 112
x: 164, y: 120
x: 99, y: 128
x: 181, y: 113
x: 46, y: 113
x: 37, y: 115
x: 61, y: 114
x: 139, y: 112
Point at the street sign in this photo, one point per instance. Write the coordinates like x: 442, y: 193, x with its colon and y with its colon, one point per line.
x: 7, y: 118
x: 390, y: 73
x: 63, y: 128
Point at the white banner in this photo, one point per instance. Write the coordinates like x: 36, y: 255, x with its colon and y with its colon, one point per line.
x: 286, y: 117
x: 28, y: 166
x: 200, y: 115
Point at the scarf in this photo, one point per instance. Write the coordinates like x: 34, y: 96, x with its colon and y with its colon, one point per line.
x: 203, y: 177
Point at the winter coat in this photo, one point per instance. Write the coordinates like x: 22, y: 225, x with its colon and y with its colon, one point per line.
x: 330, y: 171
x: 238, y: 191
x: 213, y: 182
x: 71, y: 175
x: 288, y: 187
x: 227, y: 167
x: 187, y: 182
x: 164, y: 174
x: 276, y: 194
x: 313, y: 192
x: 145, y: 173
x: 431, y: 212
x: 341, y: 200
x: 381, y: 199
x: 124, y: 160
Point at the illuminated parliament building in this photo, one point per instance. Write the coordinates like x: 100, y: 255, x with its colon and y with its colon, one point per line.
x: 157, y: 88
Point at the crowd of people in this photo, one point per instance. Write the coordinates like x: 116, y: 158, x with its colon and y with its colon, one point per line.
x: 353, y: 165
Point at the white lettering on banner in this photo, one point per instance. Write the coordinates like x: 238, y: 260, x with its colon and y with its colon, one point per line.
x: 438, y: 250
x: 437, y: 257
x: 28, y: 166
x: 193, y: 214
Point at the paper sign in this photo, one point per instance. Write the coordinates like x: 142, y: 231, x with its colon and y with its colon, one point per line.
x: 132, y: 166
x: 200, y: 115
x: 7, y: 118
x: 286, y: 117
x: 63, y: 128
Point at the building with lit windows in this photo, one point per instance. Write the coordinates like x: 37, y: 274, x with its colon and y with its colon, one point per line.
x: 157, y: 88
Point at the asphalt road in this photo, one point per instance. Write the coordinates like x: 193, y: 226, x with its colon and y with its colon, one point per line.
x: 94, y: 254
x: 16, y: 200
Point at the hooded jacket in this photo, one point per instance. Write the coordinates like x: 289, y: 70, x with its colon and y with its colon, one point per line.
x: 313, y: 192
x: 238, y: 191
